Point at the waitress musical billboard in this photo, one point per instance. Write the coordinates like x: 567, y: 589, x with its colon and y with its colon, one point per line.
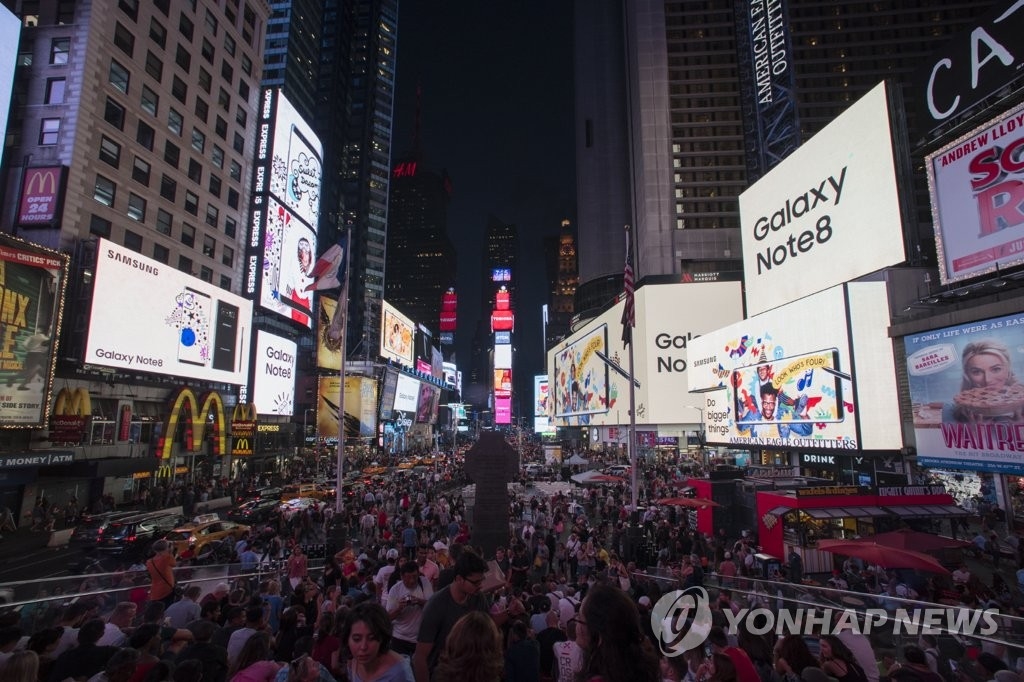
x: 967, y: 399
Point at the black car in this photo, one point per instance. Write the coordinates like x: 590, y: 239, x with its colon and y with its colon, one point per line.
x: 90, y: 527
x: 254, y: 511
x: 132, y: 537
x: 265, y: 493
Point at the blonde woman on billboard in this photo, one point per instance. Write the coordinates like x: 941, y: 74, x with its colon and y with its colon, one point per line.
x: 989, y: 390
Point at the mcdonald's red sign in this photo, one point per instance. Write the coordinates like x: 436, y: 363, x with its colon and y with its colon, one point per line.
x: 40, y: 194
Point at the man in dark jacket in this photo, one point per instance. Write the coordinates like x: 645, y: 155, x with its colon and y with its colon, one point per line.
x: 213, y: 657
x: 86, y: 659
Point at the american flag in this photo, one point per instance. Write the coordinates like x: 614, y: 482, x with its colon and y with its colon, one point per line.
x: 628, y: 310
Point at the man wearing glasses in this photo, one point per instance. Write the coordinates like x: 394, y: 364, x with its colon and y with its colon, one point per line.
x: 449, y: 604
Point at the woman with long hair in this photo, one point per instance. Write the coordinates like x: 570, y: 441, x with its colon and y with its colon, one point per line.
x: 838, y: 661
x: 616, y: 647
x: 252, y: 664
x: 22, y: 666
x: 791, y: 658
x: 367, y: 634
x: 293, y: 628
x: 472, y: 652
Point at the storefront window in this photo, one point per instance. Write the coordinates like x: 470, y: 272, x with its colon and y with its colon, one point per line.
x: 102, y: 432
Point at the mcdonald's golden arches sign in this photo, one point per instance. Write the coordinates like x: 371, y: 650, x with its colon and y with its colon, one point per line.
x: 184, y: 402
x: 243, y: 430
x: 40, y: 195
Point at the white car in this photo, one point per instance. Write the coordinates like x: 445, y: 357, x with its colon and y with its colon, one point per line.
x: 618, y: 470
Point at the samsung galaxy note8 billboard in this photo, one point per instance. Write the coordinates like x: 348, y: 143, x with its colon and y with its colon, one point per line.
x: 805, y: 225
x: 150, y: 317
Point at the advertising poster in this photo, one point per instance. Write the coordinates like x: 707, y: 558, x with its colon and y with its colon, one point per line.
x: 274, y: 375
x: 407, y: 395
x: 360, y: 407
x: 805, y: 223
x: 33, y: 281
x: 977, y: 187
x: 41, y: 190
x: 387, y: 394
x: 967, y: 398
x: 540, y: 395
x: 150, y: 317
x: 396, y: 335
x: 786, y: 382
x: 328, y: 351
x: 503, y: 383
x: 289, y: 251
x: 581, y: 376
x: 502, y: 410
x: 426, y: 406
x: 296, y: 171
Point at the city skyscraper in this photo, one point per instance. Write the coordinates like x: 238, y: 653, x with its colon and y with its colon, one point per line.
x: 563, y: 277
x: 661, y: 130
x: 421, y: 260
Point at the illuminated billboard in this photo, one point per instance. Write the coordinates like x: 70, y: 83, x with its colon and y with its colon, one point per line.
x: 427, y: 403
x: 502, y: 356
x: 360, y: 407
x: 977, y: 187
x: 581, y: 376
x: 328, y: 350
x: 41, y: 188
x: 150, y: 317
x: 10, y: 34
x: 407, y: 394
x: 968, y: 400
x: 273, y: 387
x: 804, y: 224
x: 397, y: 333
x: 785, y: 378
x: 501, y: 274
x: 540, y: 395
x: 502, y: 410
x: 33, y: 280
x: 285, y: 211
x: 503, y: 383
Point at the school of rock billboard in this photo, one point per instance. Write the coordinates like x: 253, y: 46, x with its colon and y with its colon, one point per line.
x: 785, y: 378
x: 804, y: 224
x: 967, y: 397
x: 360, y: 407
x: 977, y: 188
x: 32, y: 281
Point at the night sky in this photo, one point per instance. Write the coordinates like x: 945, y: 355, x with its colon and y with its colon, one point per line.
x: 497, y: 113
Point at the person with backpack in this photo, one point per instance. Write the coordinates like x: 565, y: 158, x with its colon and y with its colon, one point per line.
x: 405, y: 600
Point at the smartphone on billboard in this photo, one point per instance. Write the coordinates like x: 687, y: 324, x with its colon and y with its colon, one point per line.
x: 194, y: 335
x: 225, y: 336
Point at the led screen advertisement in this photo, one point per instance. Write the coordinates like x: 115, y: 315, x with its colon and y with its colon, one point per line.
x: 289, y: 251
x: 328, y: 350
x: 360, y: 407
x: 407, y: 394
x: 41, y: 191
x: 581, y: 376
x: 977, y: 189
x: 804, y: 225
x: 33, y: 280
x: 503, y: 356
x: 396, y: 335
x: 968, y: 401
x: 427, y: 403
x: 285, y: 212
x: 502, y: 410
x: 150, y: 317
x: 503, y: 383
x: 540, y: 395
x: 273, y: 376
x: 786, y: 377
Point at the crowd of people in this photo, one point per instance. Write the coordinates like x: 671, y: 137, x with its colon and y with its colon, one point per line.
x: 411, y: 597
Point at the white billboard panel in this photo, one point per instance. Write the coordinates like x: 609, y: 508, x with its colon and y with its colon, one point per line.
x: 977, y: 188
x: 150, y: 317
x: 786, y: 375
x: 297, y: 168
x: 668, y: 317
x: 10, y: 34
x: 502, y: 356
x: 397, y: 333
x: 289, y: 251
x: 274, y: 375
x: 806, y: 225
x: 407, y: 394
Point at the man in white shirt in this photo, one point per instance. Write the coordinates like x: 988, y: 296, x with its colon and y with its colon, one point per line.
x: 119, y: 625
x: 404, y: 603
x: 383, y: 576
x: 254, y: 622
x: 569, y: 654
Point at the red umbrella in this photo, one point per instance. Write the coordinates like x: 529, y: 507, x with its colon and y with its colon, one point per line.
x: 886, y: 557
x: 694, y: 502
x: 906, y: 538
x: 603, y: 478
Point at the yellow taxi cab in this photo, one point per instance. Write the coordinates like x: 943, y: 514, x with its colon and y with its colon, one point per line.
x: 297, y: 490
x: 203, y: 530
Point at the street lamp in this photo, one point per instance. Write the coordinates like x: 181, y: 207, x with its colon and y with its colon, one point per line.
x: 701, y: 436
